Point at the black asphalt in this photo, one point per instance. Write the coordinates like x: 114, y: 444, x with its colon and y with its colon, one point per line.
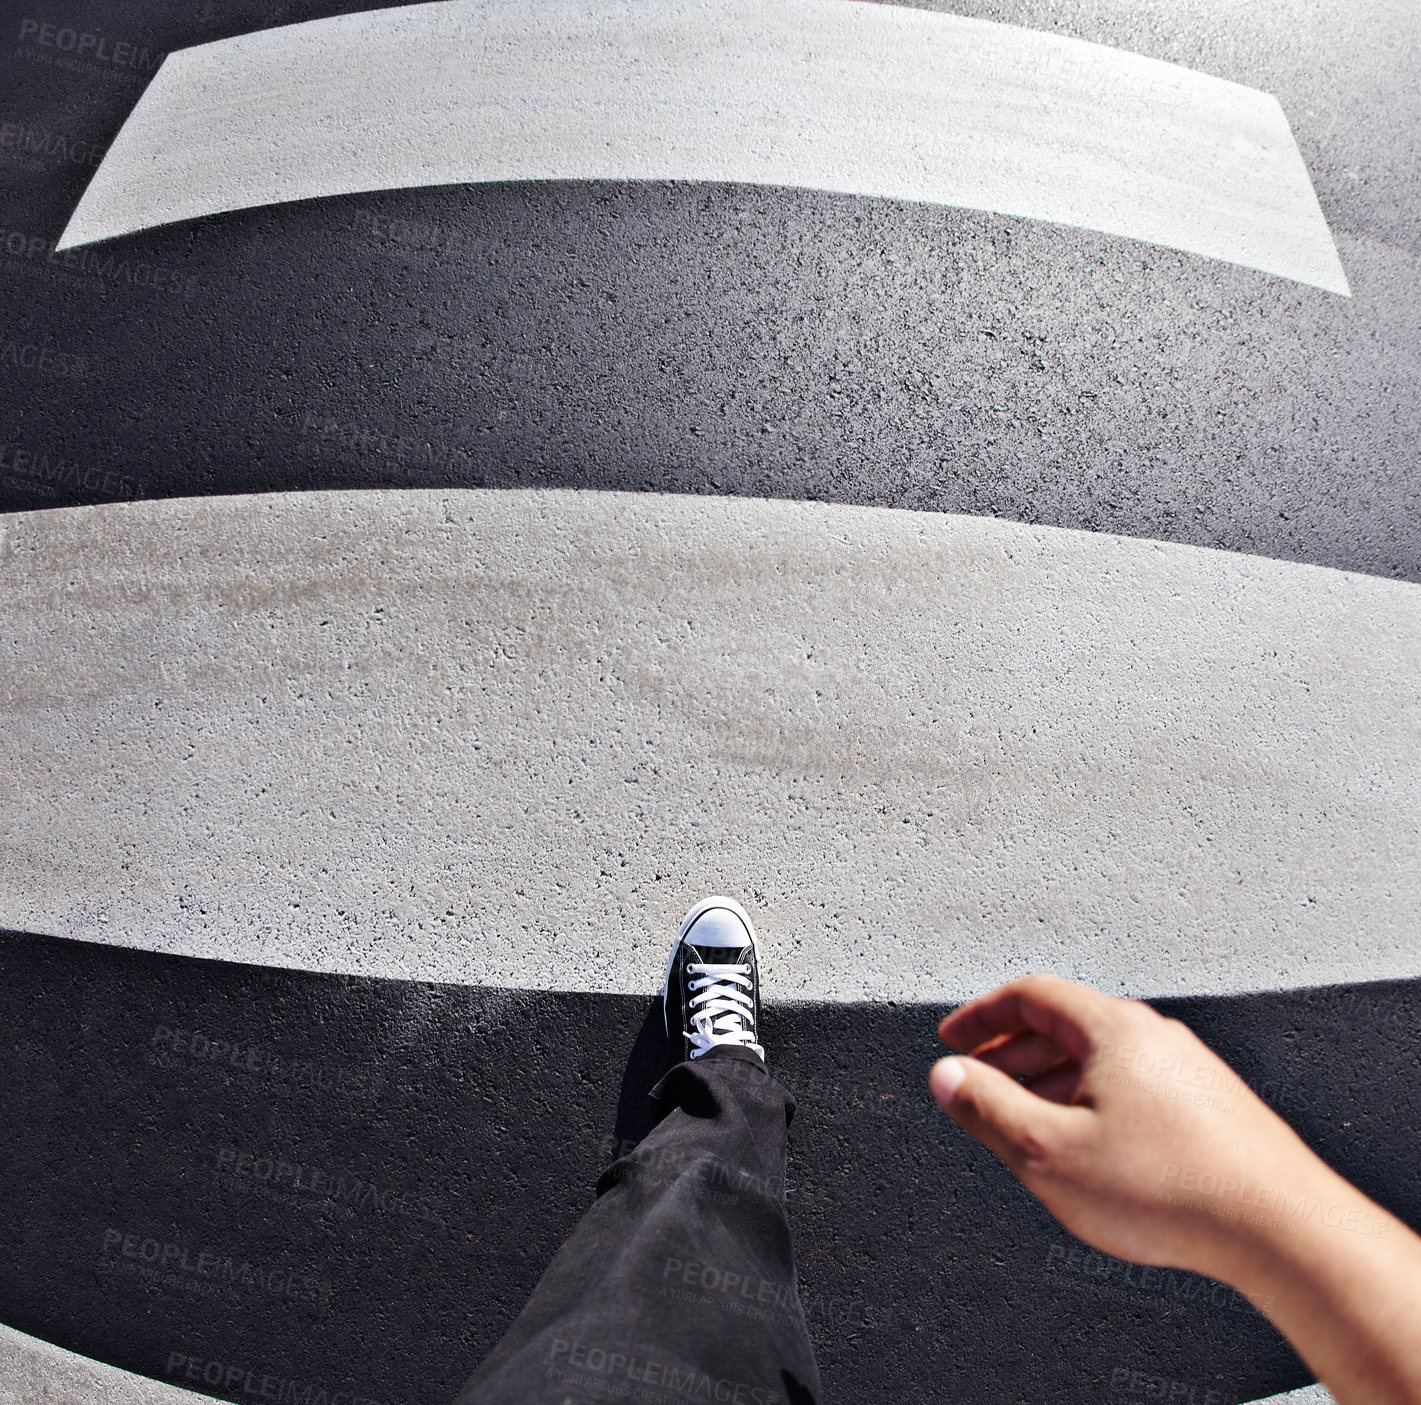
x: 729, y: 339
x: 152, y: 1213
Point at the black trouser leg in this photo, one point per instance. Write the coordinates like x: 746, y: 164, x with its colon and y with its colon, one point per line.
x: 678, y: 1285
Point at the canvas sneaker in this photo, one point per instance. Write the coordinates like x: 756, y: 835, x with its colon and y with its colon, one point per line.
x: 713, y: 979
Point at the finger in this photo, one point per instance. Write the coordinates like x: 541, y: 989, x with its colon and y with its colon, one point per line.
x: 1039, y: 1003
x: 1014, y: 1122
x: 1020, y: 1055
x: 1059, y: 1084
x: 1074, y: 1016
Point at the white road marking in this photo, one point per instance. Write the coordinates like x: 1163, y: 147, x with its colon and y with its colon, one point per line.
x: 875, y: 100
x: 510, y: 736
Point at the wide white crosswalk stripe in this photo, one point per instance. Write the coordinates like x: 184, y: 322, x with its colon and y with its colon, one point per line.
x: 876, y: 100
x: 508, y: 736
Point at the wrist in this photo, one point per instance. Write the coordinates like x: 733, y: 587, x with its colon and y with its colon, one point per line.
x: 1290, y: 1216
x: 1253, y: 1229
x: 1317, y: 1244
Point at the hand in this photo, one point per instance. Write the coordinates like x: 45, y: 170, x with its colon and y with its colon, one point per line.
x: 1144, y: 1143
x: 1133, y: 1133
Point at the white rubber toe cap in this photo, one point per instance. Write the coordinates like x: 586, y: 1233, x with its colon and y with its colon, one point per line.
x: 718, y: 921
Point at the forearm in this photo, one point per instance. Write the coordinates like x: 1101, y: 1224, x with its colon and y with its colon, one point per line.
x: 1341, y: 1279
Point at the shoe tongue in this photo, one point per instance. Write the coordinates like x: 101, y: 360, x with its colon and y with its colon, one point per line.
x: 720, y: 955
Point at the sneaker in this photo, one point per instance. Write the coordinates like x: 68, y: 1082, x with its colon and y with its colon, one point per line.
x: 713, y: 979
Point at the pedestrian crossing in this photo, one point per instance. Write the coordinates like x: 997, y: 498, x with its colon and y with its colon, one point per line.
x: 474, y: 477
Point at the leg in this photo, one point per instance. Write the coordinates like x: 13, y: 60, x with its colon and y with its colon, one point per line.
x: 678, y: 1285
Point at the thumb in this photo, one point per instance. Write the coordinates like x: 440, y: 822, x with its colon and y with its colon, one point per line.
x: 1022, y: 1128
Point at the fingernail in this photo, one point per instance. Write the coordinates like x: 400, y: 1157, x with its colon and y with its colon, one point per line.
x: 946, y: 1078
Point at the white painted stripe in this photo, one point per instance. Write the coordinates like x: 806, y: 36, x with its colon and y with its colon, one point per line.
x: 510, y: 736
x: 876, y: 100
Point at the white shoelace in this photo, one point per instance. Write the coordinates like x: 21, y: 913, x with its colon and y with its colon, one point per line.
x: 722, y: 1008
